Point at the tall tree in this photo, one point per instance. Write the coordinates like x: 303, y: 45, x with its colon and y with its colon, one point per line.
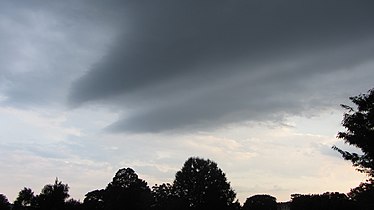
x: 127, y: 191
x: 202, y: 185
x: 359, y: 124
x: 53, y: 196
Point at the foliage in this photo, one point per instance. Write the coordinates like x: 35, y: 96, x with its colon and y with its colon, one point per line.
x: 25, y: 200
x: 260, y: 202
x: 4, y: 203
x: 325, y: 201
x: 202, y: 185
x: 126, y: 191
x: 73, y: 204
x: 94, y: 200
x: 126, y: 178
x: 165, y: 197
x: 162, y: 192
x: 359, y: 124
x: 364, y: 195
x: 53, y: 196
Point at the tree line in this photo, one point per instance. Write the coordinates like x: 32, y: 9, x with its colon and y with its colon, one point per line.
x: 201, y: 184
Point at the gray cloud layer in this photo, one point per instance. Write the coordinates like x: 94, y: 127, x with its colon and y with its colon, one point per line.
x: 195, y: 64
x: 45, y: 46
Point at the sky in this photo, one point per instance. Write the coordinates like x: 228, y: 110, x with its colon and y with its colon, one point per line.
x: 89, y: 87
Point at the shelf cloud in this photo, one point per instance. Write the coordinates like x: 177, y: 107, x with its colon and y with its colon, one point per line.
x: 185, y: 64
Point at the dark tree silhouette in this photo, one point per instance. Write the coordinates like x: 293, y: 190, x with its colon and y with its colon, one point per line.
x: 202, y: 185
x: 260, y: 202
x: 94, y: 200
x: 127, y: 178
x: 326, y: 201
x: 165, y: 198
x: 53, y: 197
x: 363, y: 195
x: 127, y: 191
x: 359, y: 124
x: 73, y: 204
x: 4, y: 203
x: 25, y: 200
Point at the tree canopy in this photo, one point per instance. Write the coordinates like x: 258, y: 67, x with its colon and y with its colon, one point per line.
x: 53, y: 196
x: 359, y: 124
x: 126, y: 191
x: 260, y: 202
x: 203, y: 185
x: 4, y: 203
x: 325, y: 201
x: 165, y: 197
x: 363, y: 195
x: 95, y: 200
x: 25, y: 200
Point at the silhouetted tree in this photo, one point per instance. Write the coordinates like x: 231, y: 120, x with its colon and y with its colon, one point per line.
x: 202, y: 185
x: 73, y: 204
x: 260, y: 202
x: 363, y: 195
x: 94, y: 200
x: 165, y: 198
x: 163, y: 195
x: 359, y: 124
x: 326, y: 201
x: 127, y: 191
x: 4, y: 203
x: 53, y: 196
x: 25, y: 200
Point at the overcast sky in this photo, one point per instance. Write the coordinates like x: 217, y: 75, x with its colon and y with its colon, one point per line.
x: 88, y: 87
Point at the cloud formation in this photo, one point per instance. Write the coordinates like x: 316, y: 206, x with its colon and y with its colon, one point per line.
x: 46, y: 45
x: 163, y: 65
x: 192, y: 64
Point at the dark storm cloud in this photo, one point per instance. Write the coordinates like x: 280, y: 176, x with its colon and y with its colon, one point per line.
x: 180, y: 64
